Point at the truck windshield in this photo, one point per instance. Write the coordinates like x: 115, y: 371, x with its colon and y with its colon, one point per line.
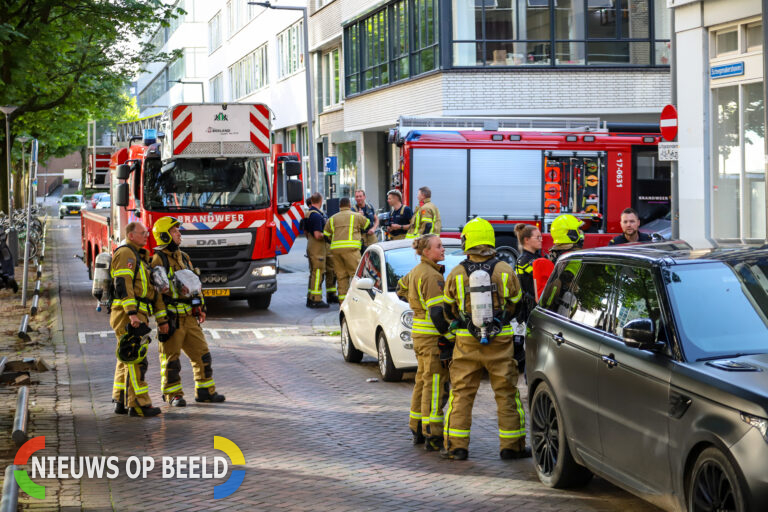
x: 206, y: 183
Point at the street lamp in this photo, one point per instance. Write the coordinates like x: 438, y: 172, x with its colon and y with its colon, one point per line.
x: 7, y: 110
x: 308, y: 76
x: 202, y: 88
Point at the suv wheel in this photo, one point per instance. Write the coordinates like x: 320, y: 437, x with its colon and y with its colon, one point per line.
x: 714, y: 484
x: 348, y: 350
x: 554, y: 463
x: 386, y: 367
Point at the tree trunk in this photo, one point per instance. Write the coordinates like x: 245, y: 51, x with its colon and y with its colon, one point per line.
x: 3, y: 178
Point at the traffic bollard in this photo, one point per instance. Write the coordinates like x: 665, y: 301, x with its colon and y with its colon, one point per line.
x: 35, y: 305
x: 24, y: 327
x: 19, y: 433
x: 10, y: 501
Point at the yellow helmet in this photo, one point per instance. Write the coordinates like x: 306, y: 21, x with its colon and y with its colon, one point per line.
x: 476, y: 232
x: 566, y: 229
x: 161, y: 230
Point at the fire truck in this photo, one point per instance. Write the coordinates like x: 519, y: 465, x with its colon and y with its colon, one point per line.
x: 209, y: 166
x: 531, y: 170
x: 98, y: 157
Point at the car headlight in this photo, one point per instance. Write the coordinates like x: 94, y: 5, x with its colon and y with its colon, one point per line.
x: 265, y: 271
x: 407, y: 319
x: 760, y: 424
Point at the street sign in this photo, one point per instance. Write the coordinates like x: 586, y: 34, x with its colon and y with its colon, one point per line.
x: 668, y: 151
x: 330, y: 165
x: 726, y: 70
x: 668, y: 123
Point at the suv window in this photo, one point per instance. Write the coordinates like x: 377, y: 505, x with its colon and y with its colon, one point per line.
x: 636, y: 297
x: 590, y: 302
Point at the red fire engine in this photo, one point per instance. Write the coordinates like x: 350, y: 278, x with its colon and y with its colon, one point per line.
x: 531, y: 170
x: 208, y: 165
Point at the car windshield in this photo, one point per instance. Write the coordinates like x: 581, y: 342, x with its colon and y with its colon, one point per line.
x: 207, y: 183
x: 721, y: 308
x: 71, y: 199
x: 401, y: 261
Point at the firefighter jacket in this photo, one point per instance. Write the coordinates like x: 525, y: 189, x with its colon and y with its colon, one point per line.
x: 345, y: 229
x: 422, y: 287
x: 506, y: 295
x: 173, y: 261
x: 524, y: 271
x: 315, y: 221
x: 133, y: 290
x: 426, y: 220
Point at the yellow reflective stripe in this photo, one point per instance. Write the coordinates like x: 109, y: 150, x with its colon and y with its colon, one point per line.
x: 401, y: 284
x: 421, y: 297
x: 448, y: 300
x: 329, y: 290
x: 172, y: 389
x: 449, y: 336
x: 436, y: 300
x: 118, y: 385
x: 342, y: 297
x: 511, y: 434
x: 204, y: 384
x: 507, y: 329
x: 460, y: 290
x: 435, y: 419
x: 433, y: 408
x: 504, y: 281
x: 129, y: 303
x: 122, y: 272
x: 425, y: 219
x: 415, y: 415
x: 411, y: 235
x: 139, y: 390
x: 453, y: 432
x: 367, y: 223
x: 448, y: 412
x: 316, y: 290
x: 520, y: 411
x: 463, y: 332
x: 351, y: 228
x: 343, y: 244
x: 161, y: 314
x: 516, y: 298
x: 326, y: 233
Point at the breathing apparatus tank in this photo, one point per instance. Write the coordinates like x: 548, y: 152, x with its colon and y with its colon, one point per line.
x: 481, y: 299
x: 102, y: 279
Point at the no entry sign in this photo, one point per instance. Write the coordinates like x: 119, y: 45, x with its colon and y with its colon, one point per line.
x: 668, y: 123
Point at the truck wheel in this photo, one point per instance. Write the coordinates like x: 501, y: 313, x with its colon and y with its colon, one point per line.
x: 259, y: 301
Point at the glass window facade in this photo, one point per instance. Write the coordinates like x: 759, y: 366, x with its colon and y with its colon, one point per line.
x: 249, y: 73
x: 214, y: 32
x: 330, y: 78
x: 560, y: 33
x: 396, y: 42
x: 216, y: 88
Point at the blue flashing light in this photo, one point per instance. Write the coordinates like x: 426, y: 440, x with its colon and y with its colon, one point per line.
x: 416, y: 134
x: 150, y: 136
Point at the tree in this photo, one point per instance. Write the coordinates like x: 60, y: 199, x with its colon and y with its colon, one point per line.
x: 64, y: 62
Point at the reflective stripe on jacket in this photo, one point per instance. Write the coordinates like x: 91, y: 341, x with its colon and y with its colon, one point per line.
x: 345, y: 229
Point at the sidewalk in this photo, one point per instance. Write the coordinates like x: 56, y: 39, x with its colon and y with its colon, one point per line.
x: 295, y: 260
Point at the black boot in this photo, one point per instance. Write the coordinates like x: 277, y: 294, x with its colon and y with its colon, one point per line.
x: 433, y: 444
x: 510, y: 454
x: 119, y: 407
x: 178, y: 401
x: 456, y: 454
x: 316, y: 304
x: 204, y: 395
x: 146, y: 411
x: 332, y: 298
x: 418, y: 437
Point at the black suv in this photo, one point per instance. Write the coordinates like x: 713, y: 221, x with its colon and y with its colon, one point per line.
x: 647, y: 366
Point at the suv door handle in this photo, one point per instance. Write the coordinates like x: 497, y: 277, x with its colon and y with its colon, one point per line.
x: 558, y: 338
x: 610, y: 361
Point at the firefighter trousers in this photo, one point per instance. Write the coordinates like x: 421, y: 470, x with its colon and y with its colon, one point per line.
x: 129, y: 386
x: 330, y: 274
x: 466, y: 370
x: 345, y: 264
x: 316, y: 253
x: 190, y: 339
x: 430, y: 389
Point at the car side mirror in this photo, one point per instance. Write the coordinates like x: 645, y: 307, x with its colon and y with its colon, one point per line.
x: 121, y: 195
x: 366, y: 283
x: 123, y: 172
x: 640, y: 333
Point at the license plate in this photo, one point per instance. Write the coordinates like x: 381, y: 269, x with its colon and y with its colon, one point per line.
x: 74, y: 211
x: 216, y: 292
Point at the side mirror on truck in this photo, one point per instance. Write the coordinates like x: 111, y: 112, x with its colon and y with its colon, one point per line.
x: 123, y: 172
x: 121, y: 191
x: 292, y: 169
x: 294, y: 191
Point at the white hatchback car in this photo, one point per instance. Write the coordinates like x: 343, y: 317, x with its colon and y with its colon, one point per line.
x: 374, y: 320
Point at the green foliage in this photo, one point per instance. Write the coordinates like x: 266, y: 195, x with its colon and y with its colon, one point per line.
x: 65, y: 62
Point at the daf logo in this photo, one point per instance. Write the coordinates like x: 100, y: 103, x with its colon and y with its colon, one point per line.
x: 221, y: 116
x: 206, y: 242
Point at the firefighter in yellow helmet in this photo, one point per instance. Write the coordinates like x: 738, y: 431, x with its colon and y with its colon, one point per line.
x: 422, y: 288
x: 567, y: 236
x: 186, y: 311
x: 481, y: 295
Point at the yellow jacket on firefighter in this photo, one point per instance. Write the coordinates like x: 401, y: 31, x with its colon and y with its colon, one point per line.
x: 345, y: 229
x: 177, y: 260
x: 134, y: 290
x: 422, y: 287
x: 426, y: 220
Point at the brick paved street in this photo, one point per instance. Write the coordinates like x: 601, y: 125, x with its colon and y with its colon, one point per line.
x: 315, y: 434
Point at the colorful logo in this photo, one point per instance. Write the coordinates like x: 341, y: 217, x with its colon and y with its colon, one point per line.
x: 221, y: 116
x: 236, y: 457
x: 21, y: 459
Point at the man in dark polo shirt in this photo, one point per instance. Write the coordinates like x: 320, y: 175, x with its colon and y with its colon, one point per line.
x: 630, y: 224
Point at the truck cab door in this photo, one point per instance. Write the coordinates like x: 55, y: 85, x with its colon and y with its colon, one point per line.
x: 288, y: 199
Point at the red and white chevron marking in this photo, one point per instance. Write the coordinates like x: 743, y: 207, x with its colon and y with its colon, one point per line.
x: 182, y: 128
x: 288, y: 228
x: 260, y: 127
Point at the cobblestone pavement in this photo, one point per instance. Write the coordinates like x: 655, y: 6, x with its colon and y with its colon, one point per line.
x: 315, y: 434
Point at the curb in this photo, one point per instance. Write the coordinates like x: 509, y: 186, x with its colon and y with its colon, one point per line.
x: 327, y: 323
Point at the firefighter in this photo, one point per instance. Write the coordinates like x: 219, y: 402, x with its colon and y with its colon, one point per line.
x: 481, y: 294
x: 185, y: 315
x: 529, y: 241
x: 344, y: 231
x: 135, y: 301
x: 567, y: 236
x: 422, y: 288
x: 427, y: 216
x: 366, y: 208
x: 399, y: 216
x: 316, y: 251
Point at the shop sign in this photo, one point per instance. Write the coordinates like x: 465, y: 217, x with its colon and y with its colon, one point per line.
x: 668, y: 151
x: 726, y: 70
